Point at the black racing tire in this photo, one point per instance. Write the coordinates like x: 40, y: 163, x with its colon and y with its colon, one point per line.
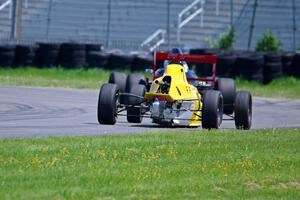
x: 25, y: 55
x: 107, y: 104
x: 134, y: 114
x: 212, y: 110
x: 7, y: 55
x: 93, y: 47
x: 272, y: 71
x: 72, y: 55
x: 134, y: 79
x: 140, y: 63
x: 228, y: 90
x: 243, y: 110
x: 296, y: 65
x: 119, y: 61
x: 272, y: 58
x: 225, y: 65
x: 287, y: 60
x: 7, y: 48
x: 119, y: 79
x: 250, y: 67
x: 97, y: 59
x: 47, y: 55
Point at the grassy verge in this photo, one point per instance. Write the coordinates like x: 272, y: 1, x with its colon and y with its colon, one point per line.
x: 191, y: 165
x: 93, y: 78
x: 54, y: 77
x: 287, y: 87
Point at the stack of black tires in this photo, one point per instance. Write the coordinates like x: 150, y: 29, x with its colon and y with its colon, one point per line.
x: 272, y: 68
x: 287, y: 62
x: 252, y: 66
x: 25, y: 55
x: 72, y: 55
x: 7, y: 55
x: 296, y: 65
x: 225, y: 64
x: 95, y: 57
x: 204, y: 69
x: 47, y: 55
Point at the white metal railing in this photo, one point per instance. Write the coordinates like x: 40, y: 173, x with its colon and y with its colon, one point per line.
x: 155, y: 39
x: 4, y: 5
x: 188, y: 13
x: 9, y: 3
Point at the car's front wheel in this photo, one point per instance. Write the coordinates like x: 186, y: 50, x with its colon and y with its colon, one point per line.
x: 212, y: 110
x: 107, y: 104
x: 243, y: 110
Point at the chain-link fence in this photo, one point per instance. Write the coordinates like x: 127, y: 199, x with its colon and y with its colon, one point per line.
x: 260, y: 16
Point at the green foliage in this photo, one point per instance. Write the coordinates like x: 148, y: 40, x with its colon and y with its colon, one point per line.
x: 268, y: 43
x: 226, y: 40
x: 197, y: 164
x: 210, y: 42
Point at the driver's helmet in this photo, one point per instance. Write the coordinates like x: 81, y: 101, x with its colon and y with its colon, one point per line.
x: 177, y: 51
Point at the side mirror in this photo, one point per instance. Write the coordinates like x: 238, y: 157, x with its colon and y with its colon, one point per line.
x: 150, y: 71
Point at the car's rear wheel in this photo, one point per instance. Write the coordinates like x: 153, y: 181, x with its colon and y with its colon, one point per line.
x: 107, y: 104
x: 212, y: 110
x: 119, y: 79
x: 243, y: 110
x: 228, y: 89
x: 134, y: 106
x: 134, y: 79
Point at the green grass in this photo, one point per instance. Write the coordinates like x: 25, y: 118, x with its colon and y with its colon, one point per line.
x: 54, y: 77
x: 92, y: 79
x: 261, y: 164
x: 287, y: 87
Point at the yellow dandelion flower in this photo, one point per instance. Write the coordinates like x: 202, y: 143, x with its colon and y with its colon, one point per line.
x: 45, y: 149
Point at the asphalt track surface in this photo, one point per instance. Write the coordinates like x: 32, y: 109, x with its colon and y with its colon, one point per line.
x: 41, y: 112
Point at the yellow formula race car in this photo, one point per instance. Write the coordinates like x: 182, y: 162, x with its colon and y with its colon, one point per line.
x: 176, y: 96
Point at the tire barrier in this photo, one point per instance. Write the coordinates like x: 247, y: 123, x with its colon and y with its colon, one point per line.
x: 231, y: 63
x: 250, y: 67
x: 296, y: 66
x: 72, y: 55
x: 119, y: 61
x: 93, y: 47
x: 205, y: 69
x: 225, y: 65
x: 25, y: 55
x: 272, y: 68
x: 287, y: 60
x: 7, y: 55
x: 141, y: 63
x: 96, y: 59
x: 47, y: 55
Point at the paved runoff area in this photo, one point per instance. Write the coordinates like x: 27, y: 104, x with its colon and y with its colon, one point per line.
x: 42, y: 112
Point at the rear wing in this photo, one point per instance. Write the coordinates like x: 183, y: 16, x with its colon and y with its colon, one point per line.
x: 212, y: 59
